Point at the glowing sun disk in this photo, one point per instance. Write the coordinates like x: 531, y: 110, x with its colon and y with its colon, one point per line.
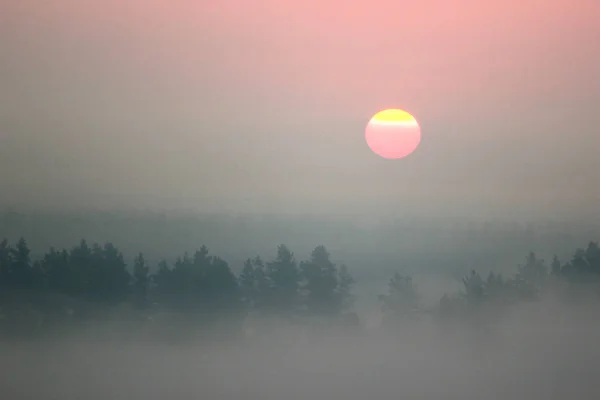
x: 393, y: 133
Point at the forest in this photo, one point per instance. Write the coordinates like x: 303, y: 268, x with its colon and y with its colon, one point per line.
x: 199, y: 293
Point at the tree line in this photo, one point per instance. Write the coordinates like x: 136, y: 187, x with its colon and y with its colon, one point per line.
x: 86, y: 281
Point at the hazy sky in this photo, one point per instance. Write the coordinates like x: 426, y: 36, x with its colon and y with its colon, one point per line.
x: 260, y: 105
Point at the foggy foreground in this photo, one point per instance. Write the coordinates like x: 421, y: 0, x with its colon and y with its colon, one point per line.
x: 82, y: 323
x: 541, y: 350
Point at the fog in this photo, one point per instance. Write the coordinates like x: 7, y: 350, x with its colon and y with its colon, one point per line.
x: 540, y: 347
x: 191, y: 210
x: 534, y: 352
x: 57, y: 344
x: 372, y: 246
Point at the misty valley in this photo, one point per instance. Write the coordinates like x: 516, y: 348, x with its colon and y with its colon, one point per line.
x: 88, y: 320
x: 299, y: 200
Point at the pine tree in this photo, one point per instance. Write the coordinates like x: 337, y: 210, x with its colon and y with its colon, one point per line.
x: 141, y: 281
x: 283, y: 277
x: 247, y: 282
x: 21, y: 274
x: 555, y: 266
x: 320, y: 281
x: 5, y: 263
x: 531, y: 276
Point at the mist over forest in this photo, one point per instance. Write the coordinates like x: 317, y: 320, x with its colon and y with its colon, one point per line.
x: 190, y: 207
x: 322, y: 307
x: 366, y: 238
x: 438, y: 250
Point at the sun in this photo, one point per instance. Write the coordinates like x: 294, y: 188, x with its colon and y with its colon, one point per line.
x: 393, y: 116
x: 393, y: 133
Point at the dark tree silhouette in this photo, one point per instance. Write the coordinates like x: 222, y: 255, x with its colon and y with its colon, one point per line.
x: 254, y: 284
x: 108, y: 279
x: 583, y: 271
x: 38, y: 293
x: 320, y: 283
x: 283, y: 277
x: 203, y: 285
x: 247, y: 282
x: 555, y: 267
x: 80, y: 263
x: 474, y: 288
x: 163, y: 284
x: 141, y: 281
x: 531, y: 276
x: 59, y: 274
x: 221, y: 286
x: 5, y: 264
x: 261, y: 283
x: 21, y: 274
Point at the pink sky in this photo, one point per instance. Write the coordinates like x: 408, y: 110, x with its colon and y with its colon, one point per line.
x: 506, y: 93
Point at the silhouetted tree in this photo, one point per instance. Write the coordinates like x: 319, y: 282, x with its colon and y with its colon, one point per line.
x: 80, y: 260
x: 203, y: 285
x: 247, y: 282
x: 222, y: 292
x: 283, y: 277
x: 531, y: 276
x: 261, y: 283
x: 319, y: 283
x: 21, y: 273
x: 555, y: 266
x: 5, y: 263
x: 586, y: 262
x: 141, y: 281
x: 474, y: 289
x: 163, y: 284
x: 59, y: 274
x: 107, y: 279
x: 253, y: 283
x: 401, y: 301
x: 583, y: 271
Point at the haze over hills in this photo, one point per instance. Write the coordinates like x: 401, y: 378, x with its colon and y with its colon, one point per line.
x: 134, y: 133
x: 444, y: 243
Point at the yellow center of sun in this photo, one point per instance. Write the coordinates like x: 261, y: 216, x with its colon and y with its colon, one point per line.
x: 393, y: 117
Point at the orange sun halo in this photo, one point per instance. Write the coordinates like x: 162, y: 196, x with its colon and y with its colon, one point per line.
x: 393, y: 133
